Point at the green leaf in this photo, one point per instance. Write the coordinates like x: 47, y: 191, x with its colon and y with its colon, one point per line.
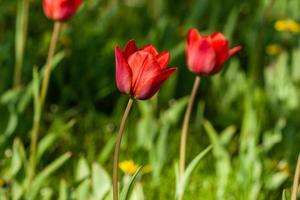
x: 227, y: 134
x: 101, y: 182
x: 82, y: 170
x: 46, y: 193
x: 17, y: 157
x: 231, y: 22
x: 27, y: 94
x: 275, y: 180
x: 173, y: 114
x: 45, y: 143
x: 16, y: 191
x: 63, y: 190
x: 36, y: 102
x: 107, y: 150
x: 221, y: 155
x: 10, y: 96
x: 126, y: 191
x: 190, y: 168
x: 137, y: 192
x: 13, y: 121
x: 20, y: 37
x: 82, y: 178
x: 286, y: 195
x: 41, y: 177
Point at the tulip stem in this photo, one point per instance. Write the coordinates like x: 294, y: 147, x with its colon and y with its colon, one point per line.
x: 47, y: 72
x: 296, y: 180
x: 185, y: 126
x: 41, y: 100
x: 117, y: 150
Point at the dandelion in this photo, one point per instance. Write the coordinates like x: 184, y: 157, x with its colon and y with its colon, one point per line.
x: 273, y: 49
x: 128, y: 167
x: 287, y: 25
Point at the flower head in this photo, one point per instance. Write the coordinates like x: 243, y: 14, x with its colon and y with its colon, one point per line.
x: 60, y: 10
x: 207, y: 54
x: 273, y: 49
x: 287, y: 25
x: 141, y: 72
x: 128, y: 167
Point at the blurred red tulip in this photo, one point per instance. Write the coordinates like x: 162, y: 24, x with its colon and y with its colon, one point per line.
x: 141, y: 72
x: 60, y: 10
x: 207, y: 54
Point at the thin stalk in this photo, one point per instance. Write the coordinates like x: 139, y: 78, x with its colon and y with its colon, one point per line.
x: 47, y: 73
x: 20, y: 39
x: 35, y: 128
x: 185, y: 126
x: 40, y: 102
x: 33, y: 144
x: 117, y: 150
x: 296, y: 180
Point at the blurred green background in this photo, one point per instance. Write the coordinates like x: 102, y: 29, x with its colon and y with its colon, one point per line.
x: 249, y: 112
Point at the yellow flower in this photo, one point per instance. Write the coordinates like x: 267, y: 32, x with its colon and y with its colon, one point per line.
x: 273, y: 49
x: 287, y: 25
x: 128, y: 167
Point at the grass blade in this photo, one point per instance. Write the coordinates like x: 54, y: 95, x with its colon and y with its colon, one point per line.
x: 190, y: 168
x: 128, y: 188
x: 41, y: 177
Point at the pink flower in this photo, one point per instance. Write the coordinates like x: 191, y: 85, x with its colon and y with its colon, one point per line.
x: 141, y: 72
x: 207, y: 54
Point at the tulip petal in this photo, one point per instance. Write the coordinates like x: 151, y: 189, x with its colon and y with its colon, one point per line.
x: 60, y: 10
x: 220, y: 44
x: 225, y: 57
x: 201, y: 57
x: 129, y: 49
x: 143, y: 67
x: 150, y: 49
x: 149, y: 87
x: 123, y: 72
x: 193, y: 36
x: 234, y: 50
x: 218, y: 37
x: 163, y: 59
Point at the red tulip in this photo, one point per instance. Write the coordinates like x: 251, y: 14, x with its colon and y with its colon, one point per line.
x: 207, y: 54
x: 141, y: 72
x: 60, y: 10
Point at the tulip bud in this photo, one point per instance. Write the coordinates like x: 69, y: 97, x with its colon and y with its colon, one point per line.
x: 207, y: 54
x: 141, y: 72
x: 60, y: 10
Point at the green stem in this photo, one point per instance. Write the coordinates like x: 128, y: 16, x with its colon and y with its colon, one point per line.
x: 185, y: 126
x: 117, y: 150
x: 40, y: 102
x: 48, y: 65
x: 296, y: 180
x: 33, y: 144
